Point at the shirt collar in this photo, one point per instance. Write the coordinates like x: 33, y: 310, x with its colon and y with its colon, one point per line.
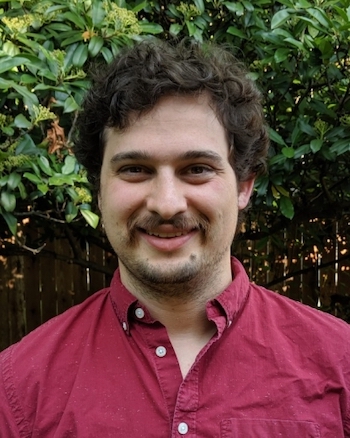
x: 232, y: 300
x: 228, y: 304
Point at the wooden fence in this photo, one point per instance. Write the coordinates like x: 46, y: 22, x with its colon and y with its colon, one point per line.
x: 36, y: 287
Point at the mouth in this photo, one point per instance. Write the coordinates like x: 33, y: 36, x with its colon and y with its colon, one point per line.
x: 167, y: 239
x: 167, y: 235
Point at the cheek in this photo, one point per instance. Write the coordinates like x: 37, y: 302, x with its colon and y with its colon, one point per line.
x: 120, y: 200
x: 219, y: 201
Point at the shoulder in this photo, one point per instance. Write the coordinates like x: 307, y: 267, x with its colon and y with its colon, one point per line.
x: 59, y: 334
x: 46, y: 361
x: 297, y: 320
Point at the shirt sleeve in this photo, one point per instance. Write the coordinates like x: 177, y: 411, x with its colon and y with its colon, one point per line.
x: 8, y: 423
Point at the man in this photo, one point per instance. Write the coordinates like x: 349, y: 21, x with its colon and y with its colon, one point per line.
x: 181, y: 344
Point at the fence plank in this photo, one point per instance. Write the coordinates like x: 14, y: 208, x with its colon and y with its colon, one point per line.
x: 97, y: 279
x: 80, y: 281
x: 48, y: 284
x: 32, y: 292
x: 15, y: 285
x: 64, y: 282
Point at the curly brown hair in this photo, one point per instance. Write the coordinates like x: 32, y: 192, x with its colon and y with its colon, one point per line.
x: 140, y: 75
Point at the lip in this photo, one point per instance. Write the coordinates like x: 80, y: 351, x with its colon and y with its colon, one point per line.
x: 166, y: 240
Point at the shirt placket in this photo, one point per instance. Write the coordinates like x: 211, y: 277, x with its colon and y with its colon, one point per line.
x: 185, y: 414
x: 164, y: 358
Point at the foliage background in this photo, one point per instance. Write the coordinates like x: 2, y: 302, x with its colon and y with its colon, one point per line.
x: 297, y: 51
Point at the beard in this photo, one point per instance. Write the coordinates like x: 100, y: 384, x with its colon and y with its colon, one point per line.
x: 167, y: 278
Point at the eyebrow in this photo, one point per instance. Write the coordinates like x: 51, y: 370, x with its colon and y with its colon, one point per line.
x: 145, y: 156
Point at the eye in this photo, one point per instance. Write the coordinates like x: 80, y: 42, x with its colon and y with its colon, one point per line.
x: 131, y: 169
x: 133, y: 173
x: 199, y: 173
x: 199, y: 170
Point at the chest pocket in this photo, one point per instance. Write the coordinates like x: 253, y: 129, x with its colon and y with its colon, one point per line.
x: 261, y: 428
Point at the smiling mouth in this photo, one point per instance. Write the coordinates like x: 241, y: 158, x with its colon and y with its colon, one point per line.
x: 167, y: 235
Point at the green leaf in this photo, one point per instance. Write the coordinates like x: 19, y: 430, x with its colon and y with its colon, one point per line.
x: 341, y: 146
x: 71, y: 211
x: 274, y: 136
x: 44, y: 165
x: 342, y: 13
x: 281, y: 55
x: 72, y: 193
x: 13, y: 180
x: 7, y: 130
x: 75, y: 19
x: 237, y: 8
x: 22, y: 122
x: 33, y: 178
x: 8, y: 201
x: 175, y: 29
x: 152, y: 28
x: 98, y: 13
x: 22, y: 190
x: 236, y: 32
x: 288, y: 152
x: 107, y: 55
x: 301, y: 151
x: 75, y: 38
x: 296, y: 43
x: 279, y: 18
x: 11, y: 222
x: 69, y: 165
x: 26, y: 146
x: 283, y: 191
x: 91, y: 218
x: 44, y: 188
x: 248, y: 6
x: 59, y: 179
x: 200, y: 5
x: 28, y: 79
x: 277, y: 159
x: 320, y: 16
x: 286, y: 206
x: 137, y: 8
x: 191, y: 27
x: 80, y: 55
x: 60, y: 27
x: 95, y: 45
x: 303, y: 4
x: 70, y: 105
x: 29, y: 98
x: 316, y: 144
x: 9, y: 62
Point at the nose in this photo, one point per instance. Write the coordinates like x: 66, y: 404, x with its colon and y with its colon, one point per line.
x: 166, y: 196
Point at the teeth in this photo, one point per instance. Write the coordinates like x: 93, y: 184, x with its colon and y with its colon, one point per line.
x: 166, y: 235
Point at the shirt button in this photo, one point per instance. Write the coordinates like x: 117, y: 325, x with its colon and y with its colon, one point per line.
x: 125, y: 326
x: 139, y: 313
x: 182, y: 428
x: 160, y: 351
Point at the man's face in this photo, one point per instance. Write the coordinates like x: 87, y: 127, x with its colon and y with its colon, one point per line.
x: 169, y: 196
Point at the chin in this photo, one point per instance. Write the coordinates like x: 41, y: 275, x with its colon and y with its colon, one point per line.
x: 165, y: 271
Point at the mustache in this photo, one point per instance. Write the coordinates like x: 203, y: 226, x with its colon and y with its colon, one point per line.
x: 181, y: 222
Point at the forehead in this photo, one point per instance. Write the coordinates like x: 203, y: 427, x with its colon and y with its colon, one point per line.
x: 175, y: 124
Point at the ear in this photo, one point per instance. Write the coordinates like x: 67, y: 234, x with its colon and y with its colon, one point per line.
x: 245, y: 189
x: 99, y: 200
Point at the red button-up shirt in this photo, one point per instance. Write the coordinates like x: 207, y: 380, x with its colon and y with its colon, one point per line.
x: 105, y: 368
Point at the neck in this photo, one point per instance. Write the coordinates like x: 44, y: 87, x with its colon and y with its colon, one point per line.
x: 180, y: 307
